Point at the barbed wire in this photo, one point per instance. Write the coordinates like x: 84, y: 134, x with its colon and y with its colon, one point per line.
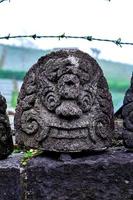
x: 9, y: 0
x: 118, y: 42
x: 4, y: 0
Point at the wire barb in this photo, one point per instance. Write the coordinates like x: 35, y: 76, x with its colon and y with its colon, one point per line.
x: 7, y: 37
x: 62, y: 36
x: 118, y: 42
x: 34, y: 36
x: 89, y: 38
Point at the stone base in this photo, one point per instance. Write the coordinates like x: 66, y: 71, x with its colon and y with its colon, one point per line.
x: 10, y: 179
x: 106, y: 176
x: 96, y: 177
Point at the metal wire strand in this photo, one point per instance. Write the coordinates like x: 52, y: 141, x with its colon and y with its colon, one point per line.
x: 117, y: 42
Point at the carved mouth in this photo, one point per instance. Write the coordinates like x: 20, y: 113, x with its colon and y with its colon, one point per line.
x: 68, y: 133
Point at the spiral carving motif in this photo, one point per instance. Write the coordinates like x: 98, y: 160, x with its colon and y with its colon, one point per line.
x: 102, y: 126
x: 85, y: 101
x: 51, y: 101
x: 29, y: 122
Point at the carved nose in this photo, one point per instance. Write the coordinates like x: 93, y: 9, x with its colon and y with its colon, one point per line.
x: 68, y: 86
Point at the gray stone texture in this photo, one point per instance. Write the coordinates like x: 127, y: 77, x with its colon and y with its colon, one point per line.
x: 127, y: 115
x: 105, y: 176
x: 64, y: 105
x: 6, y: 143
x: 118, y: 132
x: 10, y: 188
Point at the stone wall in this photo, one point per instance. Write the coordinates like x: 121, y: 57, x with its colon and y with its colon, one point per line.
x: 106, y: 176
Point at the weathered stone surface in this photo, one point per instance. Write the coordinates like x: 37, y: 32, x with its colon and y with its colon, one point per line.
x: 127, y: 114
x: 118, y: 132
x: 10, y: 188
x: 64, y: 105
x: 105, y: 176
x: 6, y: 143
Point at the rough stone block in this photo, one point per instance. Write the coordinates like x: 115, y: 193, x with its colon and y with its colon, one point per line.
x: 10, y: 179
x: 105, y: 176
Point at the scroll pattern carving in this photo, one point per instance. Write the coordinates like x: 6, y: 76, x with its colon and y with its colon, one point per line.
x: 65, y: 105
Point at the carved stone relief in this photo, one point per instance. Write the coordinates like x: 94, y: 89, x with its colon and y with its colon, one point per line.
x: 64, y: 105
x: 127, y: 114
x: 6, y: 143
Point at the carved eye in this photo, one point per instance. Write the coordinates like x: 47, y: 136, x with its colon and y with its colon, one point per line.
x: 51, y: 73
x: 85, y: 101
x: 51, y: 101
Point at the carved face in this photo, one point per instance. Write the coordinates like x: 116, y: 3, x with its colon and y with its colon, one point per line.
x: 64, y: 87
x: 64, y: 104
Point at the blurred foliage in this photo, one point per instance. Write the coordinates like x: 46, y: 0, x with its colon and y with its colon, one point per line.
x: 29, y: 155
x: 118, y: 85
x: 14, y: 99
x: 10, y: 74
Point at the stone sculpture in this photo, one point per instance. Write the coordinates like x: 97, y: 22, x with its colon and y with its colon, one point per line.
x: 6, y: 143
x: 64, y: 105
x: 127, y: 115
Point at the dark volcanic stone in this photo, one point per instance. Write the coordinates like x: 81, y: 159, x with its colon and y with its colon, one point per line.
x: 6, y: 143
x: 127, y: 115
x: 65, y: 105
x: 105, y: 176
x: 10, y: 179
